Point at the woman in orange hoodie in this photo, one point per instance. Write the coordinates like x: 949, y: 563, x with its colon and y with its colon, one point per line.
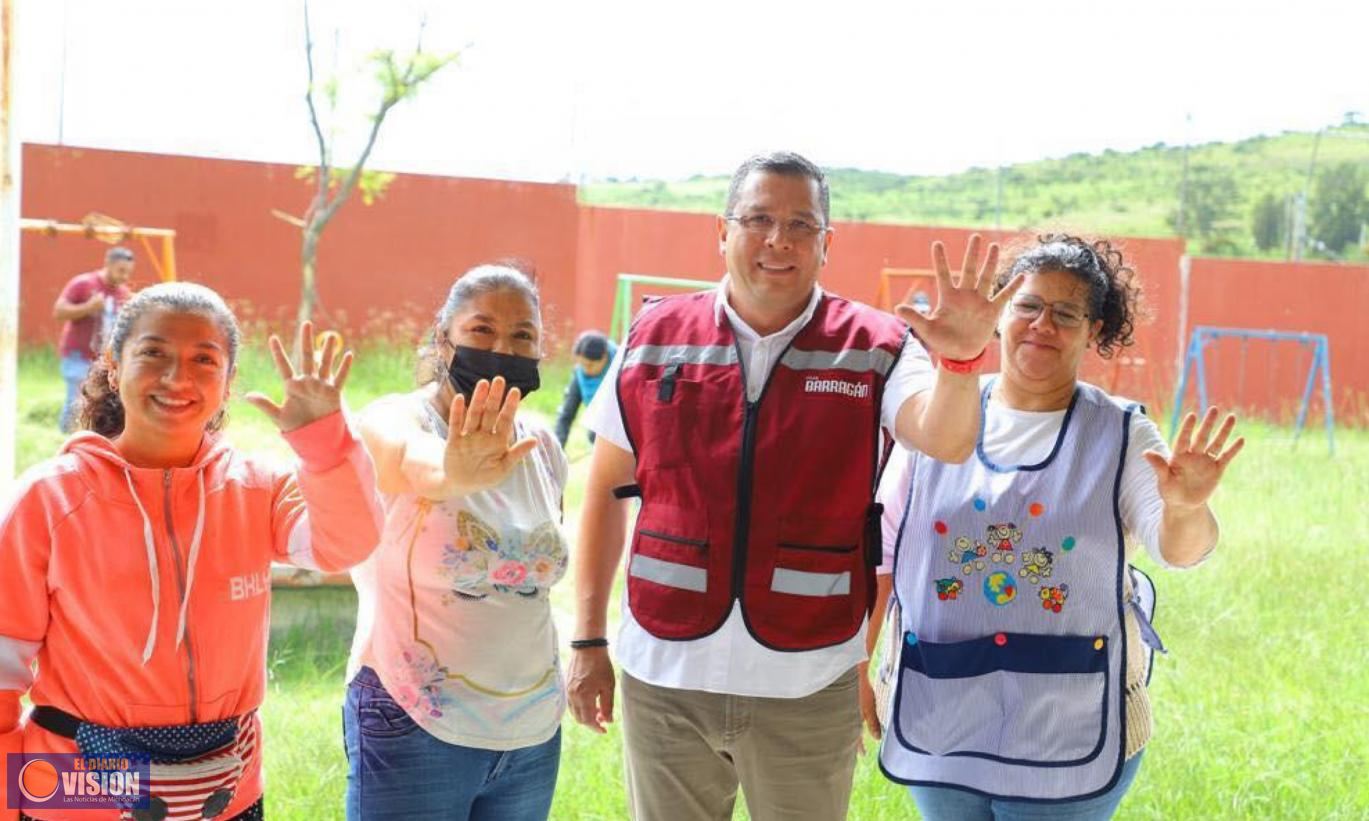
x: 135, y: 565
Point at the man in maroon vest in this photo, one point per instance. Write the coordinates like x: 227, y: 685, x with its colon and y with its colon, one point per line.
x: 748, y: 419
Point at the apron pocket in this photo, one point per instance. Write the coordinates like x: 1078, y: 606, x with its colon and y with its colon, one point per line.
x: 1010, y: 697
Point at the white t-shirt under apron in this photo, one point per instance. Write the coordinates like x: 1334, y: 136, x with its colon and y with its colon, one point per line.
x: 1018, y: 437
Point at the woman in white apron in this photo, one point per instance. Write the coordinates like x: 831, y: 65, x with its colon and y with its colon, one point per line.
x: 1024, y: 637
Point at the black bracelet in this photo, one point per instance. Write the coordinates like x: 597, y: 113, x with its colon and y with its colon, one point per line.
x: 585, y: 644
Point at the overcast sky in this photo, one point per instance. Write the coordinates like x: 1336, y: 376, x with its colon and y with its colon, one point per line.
x: 573, y: 90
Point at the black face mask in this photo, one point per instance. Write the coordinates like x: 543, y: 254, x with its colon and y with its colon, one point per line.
x: 470, y: 365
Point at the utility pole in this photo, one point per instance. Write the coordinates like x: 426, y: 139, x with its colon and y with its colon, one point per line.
x: 1183, y: 179
x: 998, y: 198
x: 10, y: 159
x: 1300, y: 216
x: 1290, y: 223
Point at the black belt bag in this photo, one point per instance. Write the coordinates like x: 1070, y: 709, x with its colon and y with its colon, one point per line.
x: 194, y: 769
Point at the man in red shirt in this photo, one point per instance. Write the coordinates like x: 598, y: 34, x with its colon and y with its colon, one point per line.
x: 87, y: 308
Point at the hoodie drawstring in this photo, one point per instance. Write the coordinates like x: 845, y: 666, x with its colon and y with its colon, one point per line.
x: 151, y: 569
x: 151, y: 545
x: 190, y: 563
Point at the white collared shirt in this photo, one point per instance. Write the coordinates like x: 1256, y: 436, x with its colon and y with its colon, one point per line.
x: 730, y: 660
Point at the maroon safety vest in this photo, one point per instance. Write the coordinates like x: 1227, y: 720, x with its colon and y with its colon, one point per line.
x: 767, y: 502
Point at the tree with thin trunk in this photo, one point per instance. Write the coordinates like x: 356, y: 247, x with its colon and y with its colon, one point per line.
x: 399, y: 78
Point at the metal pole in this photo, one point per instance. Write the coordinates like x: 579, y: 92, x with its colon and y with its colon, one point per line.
x: 1300, y: 228
x: 1185, y: 276
x: 1324, y: 349
x: 1200, y: 371
x: 1307, y: 392
x: 10, y: 159
x: 1290, y: 224
x: 998, y: 198
x: 1183, y: 386
x: 1183, y: 179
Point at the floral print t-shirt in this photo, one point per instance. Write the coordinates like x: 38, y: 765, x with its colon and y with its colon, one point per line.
x: 452, y: 607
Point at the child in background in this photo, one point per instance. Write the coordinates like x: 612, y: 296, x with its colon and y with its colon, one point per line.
x: 593, y: 351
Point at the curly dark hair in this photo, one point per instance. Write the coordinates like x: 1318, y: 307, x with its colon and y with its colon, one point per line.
x: 1114, y: 296
x: 101, y: 409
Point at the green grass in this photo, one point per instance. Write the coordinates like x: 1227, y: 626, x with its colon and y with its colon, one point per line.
x: 1112, y: 193
x: 1262, y: 706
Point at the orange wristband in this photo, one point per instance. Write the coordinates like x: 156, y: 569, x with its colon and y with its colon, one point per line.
x: 964, y: 365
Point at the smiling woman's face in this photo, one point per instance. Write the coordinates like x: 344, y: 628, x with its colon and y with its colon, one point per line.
x: 1038, y: 352
x: 173, y: 372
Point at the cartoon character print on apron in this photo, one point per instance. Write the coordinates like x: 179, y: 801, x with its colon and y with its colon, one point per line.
x: 1009, y: 681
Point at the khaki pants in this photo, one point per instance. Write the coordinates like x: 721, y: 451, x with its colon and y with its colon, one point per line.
x: 687, y: 751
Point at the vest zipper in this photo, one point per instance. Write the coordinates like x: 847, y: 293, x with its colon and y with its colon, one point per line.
x: 180, y: 582
x: 746, y: 464
x: 745, y: 471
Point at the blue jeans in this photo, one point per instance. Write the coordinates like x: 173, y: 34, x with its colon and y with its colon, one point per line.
x: 397, y: 770
x: 74, y: 370
x: 945, y: 804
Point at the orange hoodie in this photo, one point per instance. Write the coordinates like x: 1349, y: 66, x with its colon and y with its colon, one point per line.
x: 144, y: 594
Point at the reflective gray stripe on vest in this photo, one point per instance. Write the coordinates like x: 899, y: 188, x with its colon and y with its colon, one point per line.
x: 803, y: 583
x: 854, y: 361
x: 669, y: 574
x: 681, y: 354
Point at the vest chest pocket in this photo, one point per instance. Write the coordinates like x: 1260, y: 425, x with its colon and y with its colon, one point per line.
x: 669, y: 419
x: 1010, y: 697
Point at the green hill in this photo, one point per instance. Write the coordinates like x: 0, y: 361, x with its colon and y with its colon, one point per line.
x: 1134, y: 193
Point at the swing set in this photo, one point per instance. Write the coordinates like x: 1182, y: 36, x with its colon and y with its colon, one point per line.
x: 112, y: 231
x: 1195, y: 366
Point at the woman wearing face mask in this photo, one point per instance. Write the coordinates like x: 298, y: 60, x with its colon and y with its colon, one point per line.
x: 455, y: 697
x: 135, y: 565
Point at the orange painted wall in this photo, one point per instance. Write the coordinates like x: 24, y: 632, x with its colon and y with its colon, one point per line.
x: 1312, y: 297
x: 622, y: 240
x: 400, y: 254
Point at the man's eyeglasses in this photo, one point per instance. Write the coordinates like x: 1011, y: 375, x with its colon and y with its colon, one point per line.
x: 1064, y: 314
x: 764, y: 224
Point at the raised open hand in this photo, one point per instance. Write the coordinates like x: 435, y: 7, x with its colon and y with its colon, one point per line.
x: 1190, y: 475
x: 480, y: 449
x: 961, y: 323
x: 313, y: 388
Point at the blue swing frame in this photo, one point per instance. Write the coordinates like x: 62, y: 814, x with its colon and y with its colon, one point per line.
x: 1204, y: 335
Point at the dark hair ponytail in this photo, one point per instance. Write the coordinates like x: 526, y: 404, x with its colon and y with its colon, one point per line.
x: 101, y: 410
